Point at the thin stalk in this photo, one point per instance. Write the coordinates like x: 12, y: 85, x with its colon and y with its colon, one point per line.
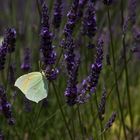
x: 80, y: 122
x: 73, y: 126
x: 115, y: 74
x: 35, y: 121
x: 96, y: 102
x: 126, y: 72
x: 66, y: 124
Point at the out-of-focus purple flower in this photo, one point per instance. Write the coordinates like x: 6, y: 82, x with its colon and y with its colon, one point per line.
x: 82, y: 4
x: 136, y: 34
x: 44, y: 16
x: 72, y: 64
x: 1, y: 135
x: 101, y: 107
x: 72, y: 17
x: 89, y: 21
x: 8, y: 45
x: 57, y: 14
x: 107, y: 2
x: 10, y: 39
x: 110, y: 121
x: 6, y: 106
x: 26, y: 64
x: 11, y: 76
x: 132, y: 11
x: 48, y: 55
x: 3, y: 52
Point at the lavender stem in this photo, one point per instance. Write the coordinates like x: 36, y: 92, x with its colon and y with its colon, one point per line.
x: 126, y: 71
x: 115, y: 73
x: 66, y: 124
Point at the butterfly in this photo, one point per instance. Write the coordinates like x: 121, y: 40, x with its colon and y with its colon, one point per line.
x: 34, y: 85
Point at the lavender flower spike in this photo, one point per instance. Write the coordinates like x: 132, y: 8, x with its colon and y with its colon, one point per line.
x: 72, y: 16
x: 26, y: 64
x: 89, y: 84
x: 3, y: 52
x: 101, y: 108
x: 110, y: 121
x: 89, y: 22
x: 72, y: 68
x: 8, y: 45
x: 10, y: 38
x: 6, y: 106
x: 48, y: 55
x: 57, y: 14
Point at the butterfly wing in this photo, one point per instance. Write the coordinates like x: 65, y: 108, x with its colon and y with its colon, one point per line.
x: 38, y: 91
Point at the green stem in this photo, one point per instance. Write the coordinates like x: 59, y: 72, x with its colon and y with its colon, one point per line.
x: 66, y: 124
x: 126, y: 72
x: 80, y: 122
x: 115, y: 74
x: 96, y: 102
x: 73, y: 126
x: 35, y: 121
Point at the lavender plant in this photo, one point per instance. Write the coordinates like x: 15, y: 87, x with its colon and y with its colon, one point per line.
x: 74, y: 71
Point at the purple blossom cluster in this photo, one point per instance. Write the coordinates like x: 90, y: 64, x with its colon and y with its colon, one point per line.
x: 72, y: 17
x: 110, y: 121
x: 101, y: 107
x: 132, y: 11
x: 6, y: 106
x: 89, y: 84
x: 89, y: 21
x: 47, y: 52
x: 26, y: 64
x: 8, y: 45
x: 72, y: 64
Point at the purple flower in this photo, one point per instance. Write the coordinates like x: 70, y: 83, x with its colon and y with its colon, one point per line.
x: 72, y: 64
x: 90, y: 83
x: 101, y: 107
x: 48, y: 55
x: 132, y: 11
x: 26, y: 64
x: 89, y: 21
x: 8, y: 45
x: 44, y: 17
x: 6, y: 106
x: 3, y: 52
x: 110, y: 121
x: 10, y: 39
x: 1, y: 136
x: 51, y: 73
x: 72, y: 16
x: 57, y: 14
